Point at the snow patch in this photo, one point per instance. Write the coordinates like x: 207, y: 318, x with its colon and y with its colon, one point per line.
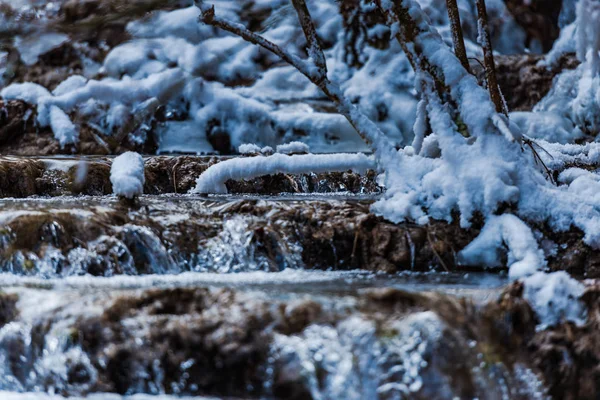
x: 555, y: 298
x: 293, y: 148
x: 524, y: 255
x: 127, y: 175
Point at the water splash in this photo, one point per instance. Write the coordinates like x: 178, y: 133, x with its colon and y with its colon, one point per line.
x: 239, y: 248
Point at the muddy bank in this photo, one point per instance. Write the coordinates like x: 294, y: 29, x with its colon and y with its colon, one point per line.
x: 225, y: 342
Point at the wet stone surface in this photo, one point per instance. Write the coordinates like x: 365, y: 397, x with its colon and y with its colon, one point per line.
x: 248, y: 344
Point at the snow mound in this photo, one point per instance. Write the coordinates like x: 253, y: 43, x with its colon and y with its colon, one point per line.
x: 127, y: 175
x: 249, y: 148
x: 64, y: 130
x: 524, y: 255
x: 554, y: 298
x: 293, y: 148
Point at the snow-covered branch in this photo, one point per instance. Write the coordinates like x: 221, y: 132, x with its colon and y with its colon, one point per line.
x: 316, y: 73
x: 209, y: 17
x: 213, y: 179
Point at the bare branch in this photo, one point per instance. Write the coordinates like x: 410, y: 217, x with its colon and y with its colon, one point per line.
x: 315, y: 50
x: 208, y: 17
x: 488, y: 58
x: 457, y: 34
x: 406, y: 35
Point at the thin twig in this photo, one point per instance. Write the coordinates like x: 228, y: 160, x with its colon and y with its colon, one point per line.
x: 437, y: 255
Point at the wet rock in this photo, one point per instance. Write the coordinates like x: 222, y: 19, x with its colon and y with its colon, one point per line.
x: 523, y: 82
x: 539, y: 20
x: 566, y: 355
x: 19, y: 178
x: 181, y: 234
x: 177, y: 234
x: 8, y: 308
x: 225, y: 342
x: 15, y: 116
x: 201, y: 342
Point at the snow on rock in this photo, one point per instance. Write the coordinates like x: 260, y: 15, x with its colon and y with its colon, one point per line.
x: 213, y: 179
x: 127, y: 175
x: 554, y: 298
x: 28, y: 92
x: 32, y: 46
x: 244, y: 119
x: 293, y: 148
x: 64, y: 130
x: 505, y: 231
x: 249, y: 148
x: 73, y: 82
x: 546, y: 125
x: 267, y: 151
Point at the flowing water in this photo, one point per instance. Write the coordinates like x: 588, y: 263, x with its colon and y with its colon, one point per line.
x: 214, y: 296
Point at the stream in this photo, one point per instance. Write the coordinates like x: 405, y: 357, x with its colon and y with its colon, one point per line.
x: 243, y: 296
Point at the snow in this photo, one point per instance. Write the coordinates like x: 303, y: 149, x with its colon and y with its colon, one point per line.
x: 64, y: 130
x: 28, y: 92
x: 549, y: 126
x: 267, y: 150
x: 554, y: 298
x: 213, y: 179
x: 588, y: 33
x: 293, y: 148
x: 127, y: 175
x: 566, y: 43
x: 249, y: 148
x: 73, y: 82
x: 505, y: 231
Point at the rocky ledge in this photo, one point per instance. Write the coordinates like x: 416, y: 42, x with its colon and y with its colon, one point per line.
x: 101, y: 236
